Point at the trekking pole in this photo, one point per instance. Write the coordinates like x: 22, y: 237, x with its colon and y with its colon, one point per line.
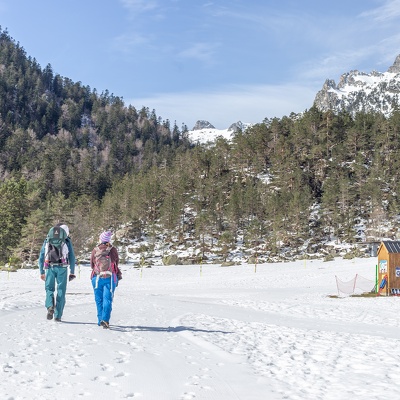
x: 201, y: 267
x: 9, y: 267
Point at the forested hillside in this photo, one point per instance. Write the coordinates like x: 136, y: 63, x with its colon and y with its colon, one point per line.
x: 284, y: 186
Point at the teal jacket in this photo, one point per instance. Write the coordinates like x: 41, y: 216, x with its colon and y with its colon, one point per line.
x: 70, y: 260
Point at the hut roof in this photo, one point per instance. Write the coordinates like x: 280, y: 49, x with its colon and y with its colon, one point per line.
x: 392, y: 246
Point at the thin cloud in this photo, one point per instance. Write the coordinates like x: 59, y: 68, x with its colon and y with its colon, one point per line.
x: 139, y: 6
x: 330, y: 66
x: 203, y: 52
x: 389, y: 48
x: 127, y: 42
x: 352, y: 45
x: 390, y: 10
x: 262, y: 18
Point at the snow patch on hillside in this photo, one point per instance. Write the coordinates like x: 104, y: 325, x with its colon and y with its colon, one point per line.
x: 208, y: 133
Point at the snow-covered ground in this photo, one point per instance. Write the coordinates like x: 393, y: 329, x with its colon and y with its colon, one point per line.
x: 209, y: 135
x: 204, y: 332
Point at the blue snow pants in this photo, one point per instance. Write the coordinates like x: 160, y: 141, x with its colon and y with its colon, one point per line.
x: 56, y: 275
x: 103, y: 296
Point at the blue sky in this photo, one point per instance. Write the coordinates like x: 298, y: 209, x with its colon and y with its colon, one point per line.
x: 222, y: 61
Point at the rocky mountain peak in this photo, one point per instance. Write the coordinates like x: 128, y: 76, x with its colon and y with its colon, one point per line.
x: 359, y: 91
x: 236, y: 126
x: 202, y: 124
x: 395, y: 68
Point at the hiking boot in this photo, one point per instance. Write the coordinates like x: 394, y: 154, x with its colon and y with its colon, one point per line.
x: 105, y: 324
x: 57, y: 319
x: 50, y: 312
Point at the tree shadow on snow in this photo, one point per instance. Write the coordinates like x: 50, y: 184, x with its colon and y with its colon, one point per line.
x: 161, y: 329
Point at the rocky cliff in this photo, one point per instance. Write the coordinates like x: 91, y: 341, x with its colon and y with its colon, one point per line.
x: 359, y: 91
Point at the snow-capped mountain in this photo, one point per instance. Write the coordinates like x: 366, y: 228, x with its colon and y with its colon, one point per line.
x: 356, y: 91
x: 359, y: 91
x: 204, y: 132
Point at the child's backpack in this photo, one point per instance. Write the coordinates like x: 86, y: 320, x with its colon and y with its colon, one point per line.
x: 54, y: 246
x: 102, y: 261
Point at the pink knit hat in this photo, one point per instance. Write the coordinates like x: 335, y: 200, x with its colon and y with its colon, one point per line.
x: 105, y: 237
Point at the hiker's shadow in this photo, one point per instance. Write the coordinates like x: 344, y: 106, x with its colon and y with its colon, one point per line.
x: 78, y: 323
x: 173, y: 329
x: 139, y: 328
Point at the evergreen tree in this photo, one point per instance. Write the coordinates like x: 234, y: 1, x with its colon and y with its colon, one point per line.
x: 33, y: 234
x: 13, y: 213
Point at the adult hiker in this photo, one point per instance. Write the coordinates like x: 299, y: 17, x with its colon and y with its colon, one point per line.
x: 105, y: 276
x: 56, y: 254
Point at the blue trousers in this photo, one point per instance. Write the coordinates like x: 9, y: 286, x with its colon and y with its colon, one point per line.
x: 56, y: 275
x: 103, y: 296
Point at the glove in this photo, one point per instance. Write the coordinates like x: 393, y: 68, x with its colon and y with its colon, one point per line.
x: 71, y: 277
x: 119, y: 276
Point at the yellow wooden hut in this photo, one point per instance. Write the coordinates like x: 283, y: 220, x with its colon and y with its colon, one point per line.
x: 389, y: 267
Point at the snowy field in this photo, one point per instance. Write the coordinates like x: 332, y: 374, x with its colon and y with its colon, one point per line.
x: 202, y: 333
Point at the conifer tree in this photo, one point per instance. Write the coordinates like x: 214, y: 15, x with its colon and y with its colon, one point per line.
x: 33, y: 234
x: 13, y: 213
